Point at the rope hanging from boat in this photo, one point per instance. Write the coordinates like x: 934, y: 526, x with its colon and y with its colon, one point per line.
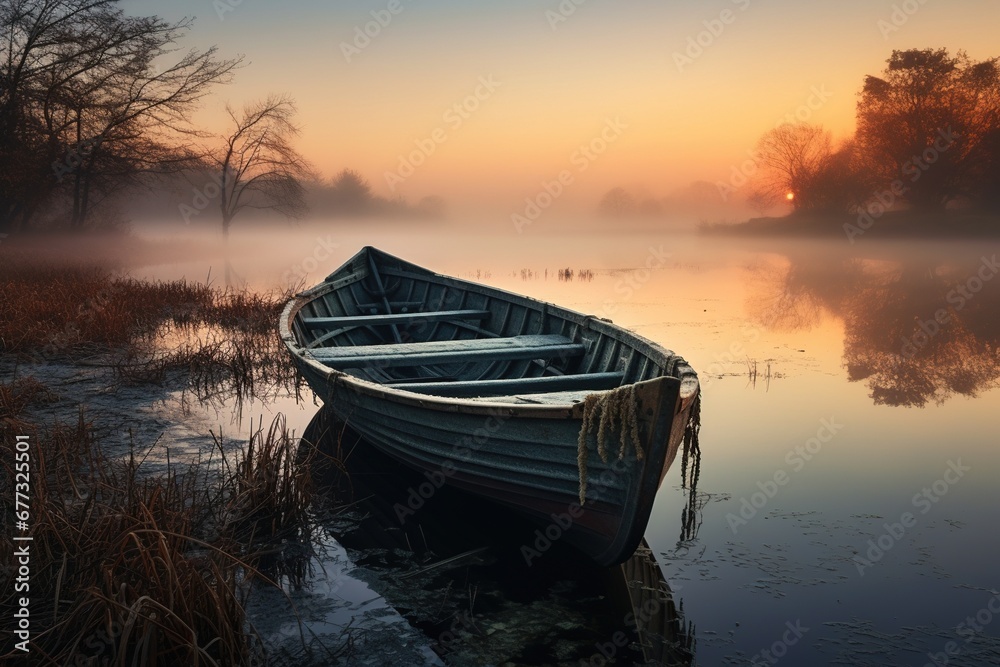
x: 608, y: 410
x: 691, y: 448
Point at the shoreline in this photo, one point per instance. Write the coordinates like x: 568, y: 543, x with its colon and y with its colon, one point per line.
x: 168, y: 429
x: 897, y: 225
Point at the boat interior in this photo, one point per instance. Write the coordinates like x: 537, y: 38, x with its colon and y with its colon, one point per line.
x: 387, y: 321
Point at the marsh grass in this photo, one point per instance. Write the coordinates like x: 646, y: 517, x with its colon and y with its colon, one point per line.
x: 52, y: 310
x: 129, y: 569
x: 568, y: 274
x: 119, y: 572
x: 752, y: 373
x: 212, y: 364
x: 16, y: 397
x: 270, y: 488
x: 217, y: 343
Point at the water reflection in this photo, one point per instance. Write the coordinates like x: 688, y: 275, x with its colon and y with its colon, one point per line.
x: 693, y: 513
x: 917, y: 331
x: 454, y: 570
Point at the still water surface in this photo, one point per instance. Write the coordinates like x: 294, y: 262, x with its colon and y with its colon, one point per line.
x: 847, y: 502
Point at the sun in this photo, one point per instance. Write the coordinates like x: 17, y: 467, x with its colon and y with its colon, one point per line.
x: 790, y: 196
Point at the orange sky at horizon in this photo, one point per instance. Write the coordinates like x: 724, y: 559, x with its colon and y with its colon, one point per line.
x: 560, y: 82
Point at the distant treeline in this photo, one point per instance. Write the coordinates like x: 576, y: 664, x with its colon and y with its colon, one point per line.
x: 349, y: 194
x: 95, y: 123
x: 192, y: 197
x: 927, y: 139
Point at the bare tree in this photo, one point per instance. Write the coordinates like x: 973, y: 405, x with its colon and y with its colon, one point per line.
x: 258, y: 167
x: 91, y: 93
x: 138, y: 122
x: 792, y: 154
x: 763, y: 199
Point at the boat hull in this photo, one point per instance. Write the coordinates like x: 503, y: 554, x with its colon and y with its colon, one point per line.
x: 523, y: 456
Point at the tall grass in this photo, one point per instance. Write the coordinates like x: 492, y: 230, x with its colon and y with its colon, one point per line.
x: 136, y: 570
x: 270, y: 491
x: 128, y: 568
x: 62, y: 309
x: 53, y: 310
x: 213, y: 365
x: 16, y: 397
x: 219, y: 343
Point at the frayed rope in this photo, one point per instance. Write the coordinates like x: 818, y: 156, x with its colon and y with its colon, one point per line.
x: 608, y: 410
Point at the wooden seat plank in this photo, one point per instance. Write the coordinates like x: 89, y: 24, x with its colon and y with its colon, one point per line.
x: 395, y: 318
x: 506, y: 387
x: 450, y: 351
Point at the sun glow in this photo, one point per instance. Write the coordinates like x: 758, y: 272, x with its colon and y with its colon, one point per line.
x: 790, y: 196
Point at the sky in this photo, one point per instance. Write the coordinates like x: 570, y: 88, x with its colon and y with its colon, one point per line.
x: 647, y: 95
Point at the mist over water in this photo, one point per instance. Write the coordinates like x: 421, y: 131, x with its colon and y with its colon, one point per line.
x: 848, y: 440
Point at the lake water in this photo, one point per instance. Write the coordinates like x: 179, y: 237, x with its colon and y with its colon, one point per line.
x: 848, y: 495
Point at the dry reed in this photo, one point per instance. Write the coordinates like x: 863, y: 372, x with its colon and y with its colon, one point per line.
x: 127, y: 568
x: 135, y: 570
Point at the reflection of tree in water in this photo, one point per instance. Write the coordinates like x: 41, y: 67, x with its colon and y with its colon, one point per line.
x: 792, y: 296
x: 892, y: 340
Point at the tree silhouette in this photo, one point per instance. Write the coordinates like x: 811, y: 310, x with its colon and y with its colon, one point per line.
x: 792, y: 156
x: 90, y: 99
x: 893, y: 339
x: 258, y: 166
x: 351, y: 193
x: 842, y: 182
x: 763, y: 199
x: 616, y: 202
x: 928, y: 121
x: 433, y: 206
x: 984, y: 179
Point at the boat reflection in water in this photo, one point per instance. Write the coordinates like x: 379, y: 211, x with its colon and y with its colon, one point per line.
x: 483, y: 584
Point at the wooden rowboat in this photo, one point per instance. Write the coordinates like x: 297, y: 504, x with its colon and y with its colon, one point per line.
x: 567, y: 418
